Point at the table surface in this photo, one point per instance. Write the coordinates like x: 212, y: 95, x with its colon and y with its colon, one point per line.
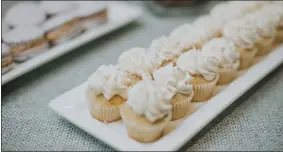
x: 253, y: 122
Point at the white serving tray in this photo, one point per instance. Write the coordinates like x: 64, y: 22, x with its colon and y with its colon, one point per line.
x: 120, y: 14
x: 73, y: 107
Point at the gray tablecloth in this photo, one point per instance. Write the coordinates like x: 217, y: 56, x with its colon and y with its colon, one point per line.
x: 254, y: 122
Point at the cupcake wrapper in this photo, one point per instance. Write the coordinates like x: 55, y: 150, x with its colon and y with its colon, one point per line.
x: 144, y: 133
x: 279, y: 37
x: 181, y: 109
x: 264, y: 46
x: 103, y: 113
x: 27, y: 54
x: 226, y: 75
x: 204, y: 92
x: 76, y: 31
x: 246, y: 58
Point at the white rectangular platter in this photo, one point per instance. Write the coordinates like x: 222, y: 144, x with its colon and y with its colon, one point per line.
x: 120, y: 14
x: 73, y: 107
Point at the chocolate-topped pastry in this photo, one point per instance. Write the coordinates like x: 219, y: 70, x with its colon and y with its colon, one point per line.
x: 62, y: 27
x: 25, y: 42
x: 92, y: 13
x: 6, y: 59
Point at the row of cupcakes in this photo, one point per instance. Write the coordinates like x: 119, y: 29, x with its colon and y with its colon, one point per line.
x: 150, y: 87
x: 33, y: 27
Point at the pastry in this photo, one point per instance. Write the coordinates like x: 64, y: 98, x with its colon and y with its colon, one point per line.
x: 52, y: 8
x: 187, y: 37
x: 178, y: 83
x: 266, y: 31
x: 62, y: 27
x: 6, y: 59
x: 226, y: 56
x: 204, y: 73
x: 166, y: 47
x: 244, y: 36
x: 107, y: 90
x: 92, y: 13
x: 25, y: 14
x: 211, y: 26
x: 138, y: 61
x: 147, y: 111
x: 25, y: 42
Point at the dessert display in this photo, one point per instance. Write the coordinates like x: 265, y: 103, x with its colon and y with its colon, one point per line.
x: 91, y: 13
x: 62, y: 28
x: 6, y: 59
x: 25, y: 42
x: 24, y: 14
x: 187, y: 66
x: 29, y: 27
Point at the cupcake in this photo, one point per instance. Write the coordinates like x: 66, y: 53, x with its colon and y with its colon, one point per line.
x: 226, y: 56
x: 187, y: 36
x: 244, y: 36
x: 25, y: 14
x: 266, y: 31
x: 92, y: 13
x: 147, y: 111
x: 274, y: 11
x: 248, y: 6
x: 52, y: 8
x: 178, y: 83
x: 107, y: 90
x: 211, y: 26
x: 25, y: 42
x: 167, y: 48
x: 137, y: 61
x: 62, y: 28
x: 6, y: 59
x: 204, y: 73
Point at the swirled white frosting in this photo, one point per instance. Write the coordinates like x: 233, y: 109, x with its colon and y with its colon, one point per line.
x: 274, y: 12
x: 264, y: 25
x: 138, y: 60
x: 184, y: 35
x: 174, y: 78
x: 196, y: 64
x: 211, y: 24
x: 223, y: 51
x: 110, y: 81
x: 150, y: 100
x: 241, y: 32
x: 166, y: 47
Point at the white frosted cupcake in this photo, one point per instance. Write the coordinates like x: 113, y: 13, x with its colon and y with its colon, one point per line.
x: 226, y: 56
x: 248, y: 6
x: 107, y: 90
x: 25, y: 42
x: 137, y: 61
x: 211, y: 25
x: 179, y: 84
x: 274, y: 11
x: 57, y: 7
x: 6, y: 59
x: 186, y: 36
x: 166, y: 47
x: 92, y: 13
x: 244, y: 35
x: 204, y: 73
x: 266, y: 30
x: 25, y: 14
x: 147, y: 111
x: 62, y: 28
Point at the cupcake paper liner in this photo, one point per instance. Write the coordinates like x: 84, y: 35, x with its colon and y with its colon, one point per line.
x: 264, y: 46
x: 143, y: 133
x: 204, y: 92
x: 226, y: 75
x: 246, y: 58
x: 279, y: 36
x: 181, y: 109
x: 102, y: 112
x: 27, y: 54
